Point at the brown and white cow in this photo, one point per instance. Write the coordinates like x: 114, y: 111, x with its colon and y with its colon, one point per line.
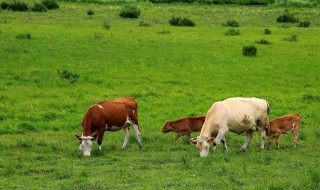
x: 184, y: 126
x: 237, y: 115
x: 111, y: 115
x: 283, y: 125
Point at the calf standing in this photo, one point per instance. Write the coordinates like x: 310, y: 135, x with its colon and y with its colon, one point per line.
x: 283, y: 125
x: 184, y: 126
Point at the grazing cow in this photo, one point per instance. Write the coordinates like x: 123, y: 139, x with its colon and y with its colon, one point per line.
x: 237, y: 115
x: 283, y: 125
x: 184, y: 126
x: 111, y: 115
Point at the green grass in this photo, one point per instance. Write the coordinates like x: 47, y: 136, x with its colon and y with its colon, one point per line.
x: 172, y: 75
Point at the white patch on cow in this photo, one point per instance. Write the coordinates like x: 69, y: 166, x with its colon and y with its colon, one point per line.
x: 202, y: 142
x: 99, y: 147
x: 137, y: 132
x: 126, y: 137
x: 86, y: 144
x: 100, y: 106
x: 293, y: 126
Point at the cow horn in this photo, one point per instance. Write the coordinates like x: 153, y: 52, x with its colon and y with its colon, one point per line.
x: 79, y: 137
x: 193, y: 140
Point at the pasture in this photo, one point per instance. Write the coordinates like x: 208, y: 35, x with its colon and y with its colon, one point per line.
x: 71, y: 61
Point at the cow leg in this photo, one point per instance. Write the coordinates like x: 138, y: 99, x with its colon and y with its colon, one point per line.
x: 219, y: 137
x: 138, y: 134
x: 246, y: 143
x: 224, y: 142
x: 177, y: 136
x: 262, y: 133
x: 126, y: 136
x: 296, y: 135
x: 277, y: 141
x: 100, y: 138
x: 270, y: 141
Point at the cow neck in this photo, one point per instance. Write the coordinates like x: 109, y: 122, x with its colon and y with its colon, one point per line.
x: 87, y: 124
x: 205, y: 131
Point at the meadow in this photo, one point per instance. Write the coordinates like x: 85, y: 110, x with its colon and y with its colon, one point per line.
x: 71, y: 61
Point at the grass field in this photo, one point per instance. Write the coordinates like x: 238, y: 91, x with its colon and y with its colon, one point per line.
x: 173, y: 72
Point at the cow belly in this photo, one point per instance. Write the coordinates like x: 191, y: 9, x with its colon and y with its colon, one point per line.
x: 113, y: 128
x: 242, y: 129
x: 242, y: 126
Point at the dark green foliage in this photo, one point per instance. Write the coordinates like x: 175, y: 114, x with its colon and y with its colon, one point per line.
x: 267, y: 31
x: 130, y: 11
x: 311, y: 98
x: 164, y: 32
x: 231, y: 23
x: 24, y: 36
x: 39, y: 7
x: 263, y: 41
x: 67, y: 75
x: 174, y: 21
x: 90, y: 12
x: 141, y: 23
x: 304, y: 24
x: 293, y: 38
x: 186, y: 22
x: 4, y: 5
x: 178, y: 21
x: 249, y: 50
x: 287, y: 18
x: 232, y: 32
x: 18, y: 6
x: 239, y: 2
x: 106, y: 25
x: 51, y: 4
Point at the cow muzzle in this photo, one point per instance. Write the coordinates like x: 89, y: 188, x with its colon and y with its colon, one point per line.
x: 204, y: 153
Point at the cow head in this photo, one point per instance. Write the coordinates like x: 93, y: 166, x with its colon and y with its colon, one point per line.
x: 203, y: 144
x: 167, y: 127
x: 86, y: 143
x: 267, y: 128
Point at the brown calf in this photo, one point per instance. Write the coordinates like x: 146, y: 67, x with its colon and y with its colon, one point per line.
x: 184, y: 126
x: 283, y: 125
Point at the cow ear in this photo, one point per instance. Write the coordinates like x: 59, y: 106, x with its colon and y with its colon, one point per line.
x: 78, y: 137
x: 267, y: 125
x: 193, y: 140
x: 210, y: 139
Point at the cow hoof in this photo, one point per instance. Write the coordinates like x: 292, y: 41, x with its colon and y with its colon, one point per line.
x: 124, y: 147
x: 242, y: 150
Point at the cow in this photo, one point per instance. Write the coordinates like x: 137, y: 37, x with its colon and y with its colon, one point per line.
x: 283, y: 125
x: 184, y: 126
x: 237, y: 115
x: 111, y: 115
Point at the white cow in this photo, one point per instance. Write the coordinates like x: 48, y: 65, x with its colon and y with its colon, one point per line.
x: 237, y: 115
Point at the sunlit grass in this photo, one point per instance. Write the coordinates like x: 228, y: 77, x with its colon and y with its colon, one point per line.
x: 172, y: 74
